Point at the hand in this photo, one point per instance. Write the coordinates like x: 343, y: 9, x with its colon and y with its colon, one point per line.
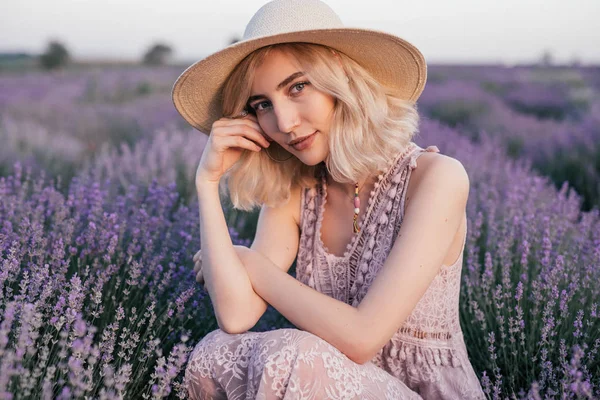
x: 198, y: 268
x: 227, y: 139
x: 241, y: 251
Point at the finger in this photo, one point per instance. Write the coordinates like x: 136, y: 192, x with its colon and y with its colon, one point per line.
x: 241, y: 142
x: 254, y: 122
x: 244, y: 128
x: 250, y: 119
x: 198, y: 255
x: 269, y: 139
x: 199, y: 277
x: 197, y: 266
x: 253, y: 131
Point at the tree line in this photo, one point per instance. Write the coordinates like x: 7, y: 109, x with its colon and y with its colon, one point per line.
x: 56, y: 55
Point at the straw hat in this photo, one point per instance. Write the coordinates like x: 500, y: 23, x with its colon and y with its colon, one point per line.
x: 391, y: 60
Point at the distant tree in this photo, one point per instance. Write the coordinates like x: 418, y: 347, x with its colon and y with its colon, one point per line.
x: 547, y: 59
x: 55, y: 56
x: 158, y: 54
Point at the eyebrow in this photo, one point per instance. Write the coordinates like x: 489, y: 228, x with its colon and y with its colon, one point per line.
x: 279, y: 87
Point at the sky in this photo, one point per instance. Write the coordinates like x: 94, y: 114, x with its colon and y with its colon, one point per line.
x: 446, y: 31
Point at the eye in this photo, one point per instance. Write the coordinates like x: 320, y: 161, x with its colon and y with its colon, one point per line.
x: 257, y: 106
x: 300, y: 85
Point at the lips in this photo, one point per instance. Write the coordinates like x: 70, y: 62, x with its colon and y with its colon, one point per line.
x: 293, y: 142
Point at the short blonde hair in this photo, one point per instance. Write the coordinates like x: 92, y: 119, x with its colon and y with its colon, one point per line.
x: 370, y: 126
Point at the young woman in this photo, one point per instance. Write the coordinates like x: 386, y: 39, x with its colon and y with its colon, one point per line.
x: 314, y: 122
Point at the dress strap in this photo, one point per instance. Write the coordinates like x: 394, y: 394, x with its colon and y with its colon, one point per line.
x: 416, y: 154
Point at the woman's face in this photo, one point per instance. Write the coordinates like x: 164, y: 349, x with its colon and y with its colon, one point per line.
x: 288, y: 107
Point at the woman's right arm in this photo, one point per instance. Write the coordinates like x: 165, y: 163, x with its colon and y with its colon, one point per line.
x: 236, y: 304
x: 226, y: 279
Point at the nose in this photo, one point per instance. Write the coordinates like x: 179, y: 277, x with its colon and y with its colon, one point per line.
x: 288, y: 117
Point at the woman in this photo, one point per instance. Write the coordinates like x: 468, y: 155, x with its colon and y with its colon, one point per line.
x: 314, y: 121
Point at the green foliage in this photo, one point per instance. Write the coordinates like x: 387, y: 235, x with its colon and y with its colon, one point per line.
x: 458, y: 112
x: 494, y: 88
x: 158, y: 54
x: 540, y: 111
x: 55, y: 56
x: 143, y: 88
x: 515, y: 147
x: 580, y: 168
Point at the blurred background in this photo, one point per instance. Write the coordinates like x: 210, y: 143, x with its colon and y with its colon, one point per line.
x: 462, y: 31
x: 80, y: 79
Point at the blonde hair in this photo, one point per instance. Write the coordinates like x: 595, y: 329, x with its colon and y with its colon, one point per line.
x: 370, y: 126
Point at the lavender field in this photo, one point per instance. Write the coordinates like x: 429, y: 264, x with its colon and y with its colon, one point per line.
x: 98, y: 226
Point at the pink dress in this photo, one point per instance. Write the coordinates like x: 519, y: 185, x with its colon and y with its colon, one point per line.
x: 425, y: 359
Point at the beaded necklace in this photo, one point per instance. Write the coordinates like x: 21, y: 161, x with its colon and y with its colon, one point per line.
x: 356, y: 201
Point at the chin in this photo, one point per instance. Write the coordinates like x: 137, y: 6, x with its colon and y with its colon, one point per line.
x: 311, y: 163
x: 312, y: 158
x: 314, y: 155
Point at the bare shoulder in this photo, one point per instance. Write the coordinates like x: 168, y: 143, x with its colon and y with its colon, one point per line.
x: 436, y: 166
x: 437, y: 173
x: 429, y: 160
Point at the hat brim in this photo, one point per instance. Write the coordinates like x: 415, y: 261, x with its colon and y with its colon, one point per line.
x: 391, y: 60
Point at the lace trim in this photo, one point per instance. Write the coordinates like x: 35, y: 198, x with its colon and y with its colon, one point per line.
x: 425, y: 335
x: 305, y: 250
x: 350, y: 247
x: 402, y: 356
x: 398, y: 182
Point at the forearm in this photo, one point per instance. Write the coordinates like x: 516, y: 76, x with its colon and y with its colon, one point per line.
x: 332, y: 320
x: 225, y: 276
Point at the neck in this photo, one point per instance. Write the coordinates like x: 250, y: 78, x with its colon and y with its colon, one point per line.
x: 364, y: 183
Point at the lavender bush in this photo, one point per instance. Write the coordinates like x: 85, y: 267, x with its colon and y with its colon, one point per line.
x: 529, y: 303
x: 508, y: 103
x: 168, y: 156
x: 98, y: 226
x: 91, y: 107
x: 98, y: 297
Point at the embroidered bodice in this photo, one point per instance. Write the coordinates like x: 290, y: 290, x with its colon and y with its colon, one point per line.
x: 348, y: 277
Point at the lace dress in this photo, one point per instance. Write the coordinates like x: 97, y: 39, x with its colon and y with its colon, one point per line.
x: 425, y: 359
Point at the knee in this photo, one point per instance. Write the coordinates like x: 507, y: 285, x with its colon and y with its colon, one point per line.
x: 291, y: 347
x: 204, y: 349
x: 201, y: 387
x: 199, y: 376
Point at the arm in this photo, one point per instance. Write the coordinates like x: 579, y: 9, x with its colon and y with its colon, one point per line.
x: 225, y: 277
x: 276, y: 242
x: 237, y: 306
x: 430, y: 223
